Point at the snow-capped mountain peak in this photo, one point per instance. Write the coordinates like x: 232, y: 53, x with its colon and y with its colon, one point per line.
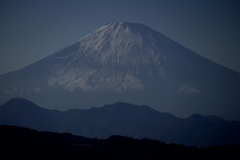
x: 112, y: 57
x: 126, y: 62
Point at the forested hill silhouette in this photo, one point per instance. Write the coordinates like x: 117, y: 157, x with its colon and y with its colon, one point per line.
x: 23, y: 143
x: 123, y: 119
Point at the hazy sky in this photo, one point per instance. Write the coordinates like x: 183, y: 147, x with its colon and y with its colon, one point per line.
x: 33, y: 29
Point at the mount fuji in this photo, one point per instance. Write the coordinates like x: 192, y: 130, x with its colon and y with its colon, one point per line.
x: 132, y: 63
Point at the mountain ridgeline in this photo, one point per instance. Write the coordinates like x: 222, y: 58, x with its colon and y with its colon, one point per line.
x: 132, y: 63
x: 123, y: 119
x: 23, y: 143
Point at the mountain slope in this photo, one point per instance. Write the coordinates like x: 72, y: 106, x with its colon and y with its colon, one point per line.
x: 123, y: 119
x: 126, y: 62
x: 24, y: 113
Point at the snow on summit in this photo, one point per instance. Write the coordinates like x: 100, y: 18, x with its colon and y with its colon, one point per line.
x: 112, y: 57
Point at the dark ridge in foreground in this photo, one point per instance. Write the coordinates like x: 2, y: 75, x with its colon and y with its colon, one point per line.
x: 23, y: 143
x: 123, y: 119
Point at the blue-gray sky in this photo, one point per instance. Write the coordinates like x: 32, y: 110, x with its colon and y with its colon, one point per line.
x: 33, y: 29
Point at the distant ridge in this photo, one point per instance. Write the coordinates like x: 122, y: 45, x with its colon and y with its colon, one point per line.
x: 123, y: 119
x: 21, y: 112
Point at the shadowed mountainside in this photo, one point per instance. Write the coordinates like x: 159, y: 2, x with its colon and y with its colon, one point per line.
x: 123, y: 119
